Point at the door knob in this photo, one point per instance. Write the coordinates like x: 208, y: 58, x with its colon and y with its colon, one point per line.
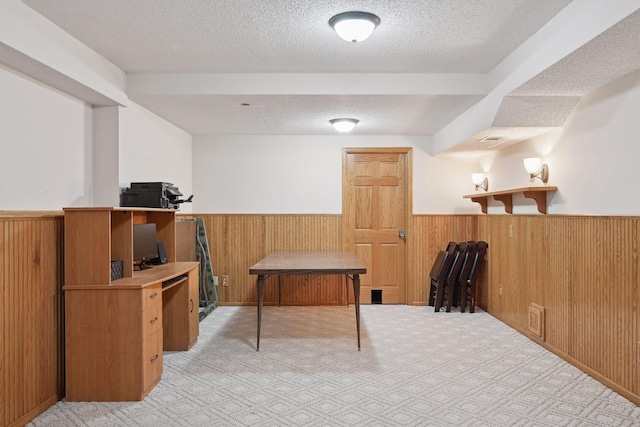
x: 402, y: 234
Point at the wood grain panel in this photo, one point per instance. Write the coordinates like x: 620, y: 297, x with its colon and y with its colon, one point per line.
x: 90, y: 251
x: 32, y: 316
x: 104, y: 328
x: 305, y: 233
x: 389, y: 211
x: 4, y: 318
x: 364, y: 207
x: 430, y: 234
x: 365, y: 253
x: 584, y: 271
x: 387, y: 208
x: 239, y: 241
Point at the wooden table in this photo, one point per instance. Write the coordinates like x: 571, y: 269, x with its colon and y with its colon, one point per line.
x: 301, y: 262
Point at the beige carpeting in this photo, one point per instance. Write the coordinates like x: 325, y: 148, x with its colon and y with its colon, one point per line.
x: 416, y: 368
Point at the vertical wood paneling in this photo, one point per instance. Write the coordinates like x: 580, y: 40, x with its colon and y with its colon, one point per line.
x: 584, y: 271
x: 4, y: 279
x: 33, y: 355
x: 305, y: 233
x: 429, y: 235
x: 556, y: 288
x: 239, y: 241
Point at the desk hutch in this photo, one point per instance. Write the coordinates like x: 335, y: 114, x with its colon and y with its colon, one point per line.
x: 116, y: 331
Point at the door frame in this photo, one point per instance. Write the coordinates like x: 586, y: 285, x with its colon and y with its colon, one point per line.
x: 408, y: 154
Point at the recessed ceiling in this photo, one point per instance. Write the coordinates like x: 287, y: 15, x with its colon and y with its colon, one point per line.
x: 229, y: 40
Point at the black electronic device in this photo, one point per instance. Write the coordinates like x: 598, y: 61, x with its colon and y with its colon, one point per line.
x: 153, y: 195
x: 145, y: 245
x: 162, y: 254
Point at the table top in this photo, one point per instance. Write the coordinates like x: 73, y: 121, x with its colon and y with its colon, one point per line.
x: 309, y: 262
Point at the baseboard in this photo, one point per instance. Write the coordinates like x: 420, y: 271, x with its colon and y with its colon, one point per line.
x: 20, y: 422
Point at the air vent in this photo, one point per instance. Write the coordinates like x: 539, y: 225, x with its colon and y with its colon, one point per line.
x: 536, y: 320
x: 491, y: 141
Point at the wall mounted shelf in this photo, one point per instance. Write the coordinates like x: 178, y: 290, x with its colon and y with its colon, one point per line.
x: 539, y: 194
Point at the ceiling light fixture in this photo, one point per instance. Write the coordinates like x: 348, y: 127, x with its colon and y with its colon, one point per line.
x: 344, y: 125
x: 354, y: 26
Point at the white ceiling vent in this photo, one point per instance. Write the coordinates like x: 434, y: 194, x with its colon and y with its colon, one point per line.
x: 491, y: 141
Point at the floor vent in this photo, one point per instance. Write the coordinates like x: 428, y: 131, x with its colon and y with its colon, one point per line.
x: 376, y: 296
x: 536, y: 320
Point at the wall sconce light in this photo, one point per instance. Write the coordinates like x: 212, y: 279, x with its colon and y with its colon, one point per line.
x: 480, y: 181
x: 536, y: 169
x: 343, y: 125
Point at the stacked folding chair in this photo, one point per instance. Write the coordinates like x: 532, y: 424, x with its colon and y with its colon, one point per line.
x: 454, y: 275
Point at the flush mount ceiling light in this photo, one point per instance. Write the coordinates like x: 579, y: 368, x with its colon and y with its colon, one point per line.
x: 344, y: 125
x: 354, y: 26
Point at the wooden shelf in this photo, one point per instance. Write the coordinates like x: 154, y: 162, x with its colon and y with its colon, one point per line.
x: 539, y: 194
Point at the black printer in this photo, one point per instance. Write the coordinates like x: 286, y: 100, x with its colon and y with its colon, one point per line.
x: 152, y: 195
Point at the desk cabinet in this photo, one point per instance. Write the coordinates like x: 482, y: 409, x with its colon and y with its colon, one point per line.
x: 117, y: 330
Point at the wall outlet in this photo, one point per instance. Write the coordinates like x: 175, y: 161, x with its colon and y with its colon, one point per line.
x: 511, y: 230
x: 225, y: 280
x: 500, y: 291
x: 215, y: 280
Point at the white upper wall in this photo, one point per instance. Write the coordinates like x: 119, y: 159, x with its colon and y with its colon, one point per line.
x: 45, y: 146
x: 592, y: 159
x: 153, y: 150
x: 47, y: 152
x: 303, y: 174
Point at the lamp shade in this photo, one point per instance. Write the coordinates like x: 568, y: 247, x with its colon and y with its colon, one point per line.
x: 532, y: 165
x: 477, y: 178
x: 343, y: 125
x: 354, y: 26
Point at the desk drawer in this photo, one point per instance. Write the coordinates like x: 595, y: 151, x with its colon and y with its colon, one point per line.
x: 151, y: 295
x: 151, y: 359
x: 151, y: 320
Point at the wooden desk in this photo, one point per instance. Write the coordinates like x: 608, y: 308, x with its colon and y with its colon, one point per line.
x: 296, y: 262
x: 115, y: 334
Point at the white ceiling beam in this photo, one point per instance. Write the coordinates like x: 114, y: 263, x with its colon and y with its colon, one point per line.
x: 33, y: 45
x: 307, y: 84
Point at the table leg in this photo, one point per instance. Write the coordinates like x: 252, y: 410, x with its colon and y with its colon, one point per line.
x: 356, y: 300
x: 260, y: 286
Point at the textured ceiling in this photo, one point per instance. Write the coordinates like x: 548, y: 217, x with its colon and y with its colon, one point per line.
x: 227, y: 38
x: 449, y: 36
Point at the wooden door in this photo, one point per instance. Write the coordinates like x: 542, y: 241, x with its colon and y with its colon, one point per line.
x: 375, y: 205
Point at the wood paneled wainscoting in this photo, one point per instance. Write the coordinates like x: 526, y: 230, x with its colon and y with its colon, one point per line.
x: 238, y: 241
x: 31, y: 340
x: 581, y: 271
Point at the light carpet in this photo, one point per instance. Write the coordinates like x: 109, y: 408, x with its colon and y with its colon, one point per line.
x: 416, y: 368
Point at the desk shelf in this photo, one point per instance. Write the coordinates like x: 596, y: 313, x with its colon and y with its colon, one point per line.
x: 538, y: 194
